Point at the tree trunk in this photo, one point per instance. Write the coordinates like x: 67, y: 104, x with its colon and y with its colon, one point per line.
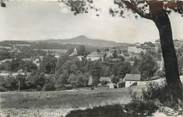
x: 169, y: 55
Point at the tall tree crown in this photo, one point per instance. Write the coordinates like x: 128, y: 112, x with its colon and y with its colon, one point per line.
x: 144, y: 8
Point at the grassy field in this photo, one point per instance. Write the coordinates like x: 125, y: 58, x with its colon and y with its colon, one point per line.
x: 57, y: 103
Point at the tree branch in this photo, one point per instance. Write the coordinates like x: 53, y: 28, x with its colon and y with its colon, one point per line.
x: 133, y: 6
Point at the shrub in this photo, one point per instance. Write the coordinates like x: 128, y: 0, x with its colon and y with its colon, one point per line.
x: 155, y: 91
x: 49, y: 83
x: 10, y: 83
x: 49, y: 86
x: 159, y: 93
x: 133, y: 109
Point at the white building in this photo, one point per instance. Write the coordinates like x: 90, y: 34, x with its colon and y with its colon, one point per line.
x: 80, y: 58
x: 132, y: 79
x: 94, y: 56
x: 74, y: 53
x: 134, y: 49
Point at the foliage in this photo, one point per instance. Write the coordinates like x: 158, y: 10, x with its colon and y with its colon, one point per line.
x: 162, y: 93
x: 82, y: 51
x: 96, y: 72
x: 16, y: 64
x: 21, y: 81
x: 36, y: 81
x: 148, y: 66
x: 49, y: 84
x: 133, y: 109
x: 78, y: 80
x: 6, y: 66
x: 48, y: 65
x: 115, y: 54
x: 29, y: 66
x: 4, y: 55
x: 61, y: 80
x: 9, y: 83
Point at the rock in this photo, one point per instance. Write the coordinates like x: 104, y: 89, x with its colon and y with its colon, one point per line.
x: 168, y: 111
x: 159, y: 114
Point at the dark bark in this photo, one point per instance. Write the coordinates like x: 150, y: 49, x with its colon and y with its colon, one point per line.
x: 169, y: 55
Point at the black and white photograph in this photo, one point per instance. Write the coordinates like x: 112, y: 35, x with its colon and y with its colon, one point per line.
x: 91, y: 58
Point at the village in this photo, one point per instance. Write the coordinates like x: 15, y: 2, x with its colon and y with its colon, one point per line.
x: 24, y: 67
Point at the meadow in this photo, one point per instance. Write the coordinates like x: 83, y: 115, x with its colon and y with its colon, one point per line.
x: 58, y: 103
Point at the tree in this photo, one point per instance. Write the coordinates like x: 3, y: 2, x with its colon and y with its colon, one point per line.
x: 147, y: 66
x: 96, y: 72
x: 4, y: 55
x: 158, y: 11
x: 3, y: 4
x: 16, y: 64
x: 29, y: 66
x: 62, y: 79
x: 36, y: 80
x: 48, y: 65
x: 9, y: 83
x: 120, y: 69
x: 115, y: 54
x: 21, y: 81
x: 82, y: 50
x: 49, y: 83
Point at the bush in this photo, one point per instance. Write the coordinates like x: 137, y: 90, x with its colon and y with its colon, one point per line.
x: 155, y: 91
x: 2, y: 89
x: 49, y: 83
x: 36, y: 81
x: 10, y: 83
x: 160, y: 94
x: 49, y: 86
x: 133, y: 109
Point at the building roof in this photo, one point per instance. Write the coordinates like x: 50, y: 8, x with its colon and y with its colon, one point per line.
x: 74, y: 52
x: 23, y: 45
x: 95, y: 54
x: 132, y: 77
x: 107, y: 79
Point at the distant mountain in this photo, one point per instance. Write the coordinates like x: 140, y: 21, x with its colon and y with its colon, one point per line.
x: 83, y: 40
x: 90, y: 43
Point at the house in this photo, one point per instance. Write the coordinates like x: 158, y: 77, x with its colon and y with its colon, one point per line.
x: 108, y: 54
x: 134, y: 49
x: 94, y: 56
x: 80, y: 58
x: 37, y: 60
x: 106, y: 81
x: 132, y: 79
x: 135, y: 80
x: 90, y: 81
x: 19, y: 72
x: 27, y: 59
x: 5, y: 60
x: 111, y: 85
x: 4, y: 74
x: 5, y: 48
x: 74, y: 53
x: 121, y: 83
x: 22, y: 45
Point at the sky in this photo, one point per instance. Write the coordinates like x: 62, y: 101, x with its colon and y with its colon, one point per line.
x: 45, y: 19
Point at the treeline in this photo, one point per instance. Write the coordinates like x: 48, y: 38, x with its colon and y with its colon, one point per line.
x: 69, y: 72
